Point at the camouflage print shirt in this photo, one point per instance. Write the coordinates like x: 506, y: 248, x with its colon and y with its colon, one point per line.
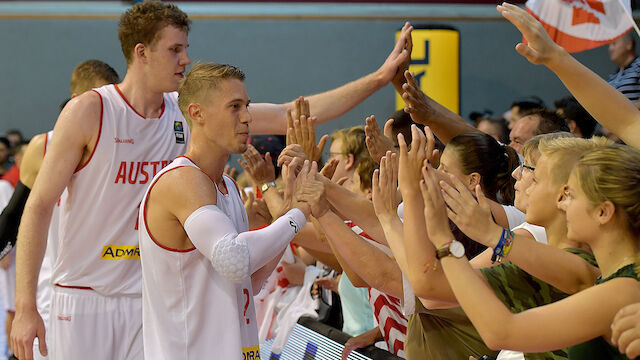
x: 520, y: 291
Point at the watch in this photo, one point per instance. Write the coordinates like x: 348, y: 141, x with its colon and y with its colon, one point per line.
x: 266, y: 186
x: 454, y: 248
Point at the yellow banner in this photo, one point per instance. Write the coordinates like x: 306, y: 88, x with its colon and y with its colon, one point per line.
x: 121, y: 252
x: 435, y: 61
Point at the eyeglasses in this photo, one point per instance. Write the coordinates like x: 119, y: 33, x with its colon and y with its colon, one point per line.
x: 334, y: 154
x: 523, y: 166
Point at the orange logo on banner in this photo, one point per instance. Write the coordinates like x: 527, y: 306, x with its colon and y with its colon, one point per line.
x: 584, y: 16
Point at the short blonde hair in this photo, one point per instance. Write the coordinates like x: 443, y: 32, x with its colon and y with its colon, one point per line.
x: 530, y: 147
x: 200, y: 80
x: 353, y: 142
x: 564, y: 153
x: 613, y: 173
x: 91, y: 74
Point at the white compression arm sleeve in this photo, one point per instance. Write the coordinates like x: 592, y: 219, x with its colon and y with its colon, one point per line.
x: 235, y: 255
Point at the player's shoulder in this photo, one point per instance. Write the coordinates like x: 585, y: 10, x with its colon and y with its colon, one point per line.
x: 37, y: 143
x: 185, y: 183
x: 81, y: 115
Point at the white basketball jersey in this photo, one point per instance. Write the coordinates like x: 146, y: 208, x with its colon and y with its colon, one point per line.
x: 189, y: 311
x: 98, y: 221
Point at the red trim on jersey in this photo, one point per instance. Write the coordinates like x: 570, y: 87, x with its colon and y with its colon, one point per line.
x: 134, y: 110
x: 99, y: 132
x: 74, y: 287
x: 210, y: 178
x: 234, y: 183
x: 144, y: 217
x: 351, y: 225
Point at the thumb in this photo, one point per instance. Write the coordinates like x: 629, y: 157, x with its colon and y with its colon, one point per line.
x: 322, y: 142
x: 527, y: 52
x: 388, y: 129
x: 42, y: 344
x: 250, y: 198
x: 482, y: 200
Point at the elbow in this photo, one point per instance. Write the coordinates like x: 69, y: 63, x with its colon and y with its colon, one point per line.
x: 495, y: 341
x: 230, y: 260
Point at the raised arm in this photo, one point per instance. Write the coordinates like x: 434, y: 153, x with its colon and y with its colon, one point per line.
x: 564, y: 270
x: 76, y: 132
x: 271, y: 118
x: 444, y: 123
x: 375, y: 267
x: 607, y: 105
x: 574, y: 320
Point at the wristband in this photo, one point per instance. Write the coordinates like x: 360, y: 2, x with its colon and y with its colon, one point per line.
x: 503, y: 247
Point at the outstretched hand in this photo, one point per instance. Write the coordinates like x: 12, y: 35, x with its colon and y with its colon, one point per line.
x: 399, y: 58
x: 473, y: 217
x: 435, y: 209
x: 311, y: 190
x: 386, y: 196
x: 540, y: 49
x: 378, y: 143
x: 409, y: 173
x: 301, y: 130
x: 259, y: 171
x: 419, y: 105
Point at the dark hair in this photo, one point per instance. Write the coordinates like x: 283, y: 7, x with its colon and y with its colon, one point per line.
x: 572, y: 110
x: 528, y: 103
x: 5, y: 141
x: 501, y: 123
x: 550, y: 122
x: 402, y: 125
x: 482, y: 154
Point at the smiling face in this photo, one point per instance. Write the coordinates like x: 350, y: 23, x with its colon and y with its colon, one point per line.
x: 166, y: 59
x: 225, y: 117
x: 524, y: 179
x: 582, y: 224
x: 450, y: 164
x: 542, y: 195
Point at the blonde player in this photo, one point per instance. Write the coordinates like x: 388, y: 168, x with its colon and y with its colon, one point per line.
x: 109, y: 144
x: 200, y: 264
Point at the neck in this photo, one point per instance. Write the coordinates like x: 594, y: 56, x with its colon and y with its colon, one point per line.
x: 140, y: 96
x: 557, y: 234
x: 614, y: 248
x: 209, y: 158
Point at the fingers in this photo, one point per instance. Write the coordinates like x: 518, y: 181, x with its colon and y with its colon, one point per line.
x: 342, y: 180
x: 411, y: 81
x: 291, y: 137
x: 388, y: 128
x: 321, y: 144
x: 297, y: 129
x: 42, y: 343
x: 418, y: 142
x: 431, y: 141
x: 402, y: 145
x: 329, y: 168
x: 482, y: 200
x: 250, y: 197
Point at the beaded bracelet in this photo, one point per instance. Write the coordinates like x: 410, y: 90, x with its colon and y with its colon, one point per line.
x: 503, y: 247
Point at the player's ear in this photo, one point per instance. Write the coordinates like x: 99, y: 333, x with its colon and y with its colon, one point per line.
x: 140, y: 52
x: 195, y: 113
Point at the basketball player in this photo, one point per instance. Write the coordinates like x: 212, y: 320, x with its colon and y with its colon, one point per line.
x: 86, y: 75
x: 200, y: 264
x: 109, y: 144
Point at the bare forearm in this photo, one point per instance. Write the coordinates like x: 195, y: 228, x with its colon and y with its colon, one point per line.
x: 371, y: 264
x: 616, y: 113
x: 489, y: 316
x: 444, y: 123
x: 356, y: 208
x: 330, y: 104
x: 423, y: 272
x: 559, y: 268
x: 32, y: 236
